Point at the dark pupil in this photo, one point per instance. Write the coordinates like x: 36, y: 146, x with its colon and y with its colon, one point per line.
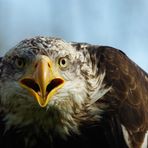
x: 20, y: 62
x: 63, y: 62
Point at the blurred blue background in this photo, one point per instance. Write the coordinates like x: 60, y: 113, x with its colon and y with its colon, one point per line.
x: 122, y: 24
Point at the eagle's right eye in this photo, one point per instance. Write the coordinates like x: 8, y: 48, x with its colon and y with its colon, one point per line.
x: 19, y: 62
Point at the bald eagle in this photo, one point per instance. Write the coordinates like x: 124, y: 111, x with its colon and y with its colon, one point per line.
x: 64, y: 94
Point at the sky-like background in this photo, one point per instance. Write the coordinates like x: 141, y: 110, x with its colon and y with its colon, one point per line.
x: 121, y: 24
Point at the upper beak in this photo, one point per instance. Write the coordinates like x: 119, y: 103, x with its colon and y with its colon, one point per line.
x: 43, y: 82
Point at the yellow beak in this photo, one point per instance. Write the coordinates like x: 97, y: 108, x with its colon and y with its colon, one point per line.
x: 43, y: 82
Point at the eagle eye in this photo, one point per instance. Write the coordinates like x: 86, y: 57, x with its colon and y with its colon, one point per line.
x: 63, y: 62
x: 19, y: 62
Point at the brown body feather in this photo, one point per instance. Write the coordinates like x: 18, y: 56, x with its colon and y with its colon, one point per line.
x: 128, y: 97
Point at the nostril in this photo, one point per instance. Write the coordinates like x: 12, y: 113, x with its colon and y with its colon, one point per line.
x: 31, y: 84
x: 48, y: 65
x: 36, y: 65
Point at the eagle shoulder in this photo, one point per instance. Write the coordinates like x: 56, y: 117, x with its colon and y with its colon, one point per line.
x: 0, y: 64
x: 128, y: 97
x: 0, y: 71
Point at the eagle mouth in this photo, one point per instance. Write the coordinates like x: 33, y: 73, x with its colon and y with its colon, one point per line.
x: 30, y: 83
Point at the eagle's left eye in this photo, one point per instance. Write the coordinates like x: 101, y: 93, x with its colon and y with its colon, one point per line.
x: 63, y: 62
x: 19, y: 62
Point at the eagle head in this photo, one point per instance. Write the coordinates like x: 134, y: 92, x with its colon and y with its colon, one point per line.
x: 50, y: 84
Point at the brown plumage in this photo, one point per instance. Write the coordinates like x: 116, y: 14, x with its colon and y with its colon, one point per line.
x: 129, y: 95
x: 86, y: 94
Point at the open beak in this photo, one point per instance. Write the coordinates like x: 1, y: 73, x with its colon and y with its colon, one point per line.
x: 43, y: 82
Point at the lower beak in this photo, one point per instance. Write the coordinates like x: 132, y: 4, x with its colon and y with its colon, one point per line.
x: 43, y: 82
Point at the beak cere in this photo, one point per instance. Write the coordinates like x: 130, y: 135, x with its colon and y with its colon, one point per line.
x: 43, y: 82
